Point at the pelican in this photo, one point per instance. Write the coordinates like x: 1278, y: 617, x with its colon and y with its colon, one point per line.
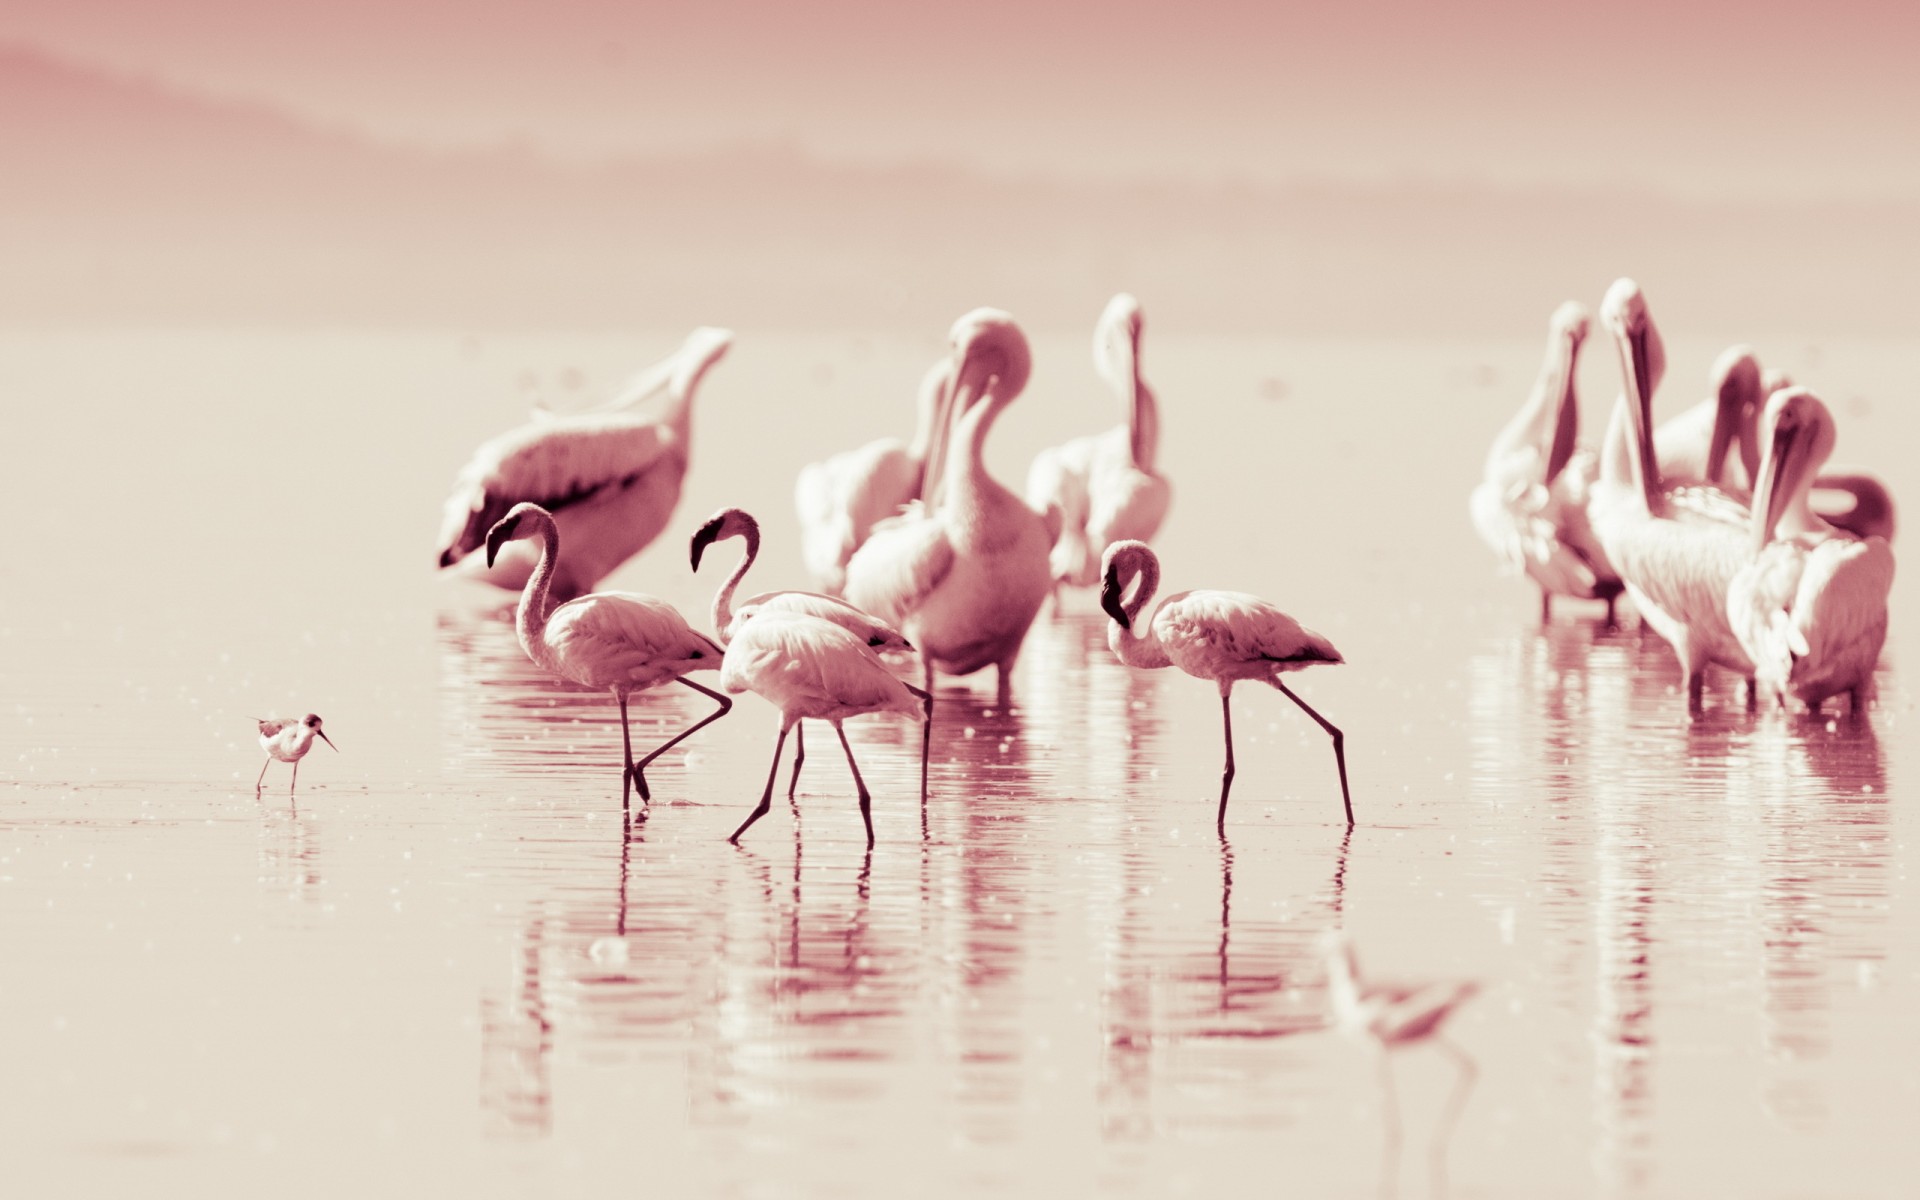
x: 1811, y: 608
x: 810, y: 668
x: 288, y: 741
x: 965, y: 571
x: 1532, y: 505
x: 840, y: 500
x: 610, y: 477
x: 1222, y: 636
x: 879, y: 636
x: 1699, y: 444
x: 1677, y: 549
x: 1104, y: 484
x: 620, y: 642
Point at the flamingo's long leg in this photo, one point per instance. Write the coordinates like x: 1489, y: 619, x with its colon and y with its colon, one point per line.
x: 640, y: 768
x: 1339, y: 744
x: 1226, y: 775
x: 799, y: 755
x: 926, y: 739
x: 766, y: 797
x: 626, y: 760
x: 866, y: 797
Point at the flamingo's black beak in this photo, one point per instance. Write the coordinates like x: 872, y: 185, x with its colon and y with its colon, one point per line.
x: 499, y: 536
x: 1110, y: 600
x: 708, y: 534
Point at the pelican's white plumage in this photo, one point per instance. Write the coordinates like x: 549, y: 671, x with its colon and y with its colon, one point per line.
x: 1531, y: 507
x: 964, y: 571
x: 815, y: 670
x: 1105, y: 486
x: 618, y: 642
x: 610, y: 477
x: 1222, y: 636
x: 840, y: 500
x: 1811, y: 609
x: 1677, y: 549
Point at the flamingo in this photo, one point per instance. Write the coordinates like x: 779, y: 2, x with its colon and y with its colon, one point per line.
x: 1395, y: 1016
x: 1696, y: 445
x: 610, y: 477
x: 1811, y: 608
x: 840, y: 500
x: 622, y: 642
x: 815, y: 669
x: 1677, y: 549
x: 964, y: 572
x: 1104, y: 484
x: 288, y: 741
x: 1532, y: 505
x: 1222, y: 636
x: 881, y: 637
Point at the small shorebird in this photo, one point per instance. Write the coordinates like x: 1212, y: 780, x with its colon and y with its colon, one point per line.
x: 1392, y: 1017
x: 618, y: 642
x: 1222, y: 636
x: 288, y: 741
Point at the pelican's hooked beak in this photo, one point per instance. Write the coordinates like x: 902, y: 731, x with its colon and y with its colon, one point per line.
x: 707, y: 535
x: 1566, y: 430
x: 1778, y: 477
x: 327, y: 740
x: 1635, y: 366
x: 1110, y: 591
x: 500, y: 535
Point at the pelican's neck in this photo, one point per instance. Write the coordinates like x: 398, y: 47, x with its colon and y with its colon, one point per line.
x: 723, y: 599
x: 966, y: 458
x: 1137, y: 645
x: 1143, y: 424
x: 530, y: 621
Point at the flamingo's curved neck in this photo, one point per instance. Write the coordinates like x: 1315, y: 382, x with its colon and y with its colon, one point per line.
x: 1131, y: 645
x: 723, y: 599
x: 530, y: 621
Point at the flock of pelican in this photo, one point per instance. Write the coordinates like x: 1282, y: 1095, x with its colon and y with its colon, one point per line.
x: 1715, y: 523
x: 915, y: 549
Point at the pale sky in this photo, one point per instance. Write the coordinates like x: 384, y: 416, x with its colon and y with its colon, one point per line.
x: 1767, y: 98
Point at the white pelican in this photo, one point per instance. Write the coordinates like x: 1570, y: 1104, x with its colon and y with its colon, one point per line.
x: 840, y: 500
x: 1104, y: 484
x: 288, y: 741
x: 1532, y: 505
x: 1811, y: 609
x: 1222, y: 636
x: 622, y: 642
x: 881, y: 637
x: 610, y: 477
x: 1677, y: 549
x: 1700, y: 444
x: 815, y: 669
x: 964, y: 572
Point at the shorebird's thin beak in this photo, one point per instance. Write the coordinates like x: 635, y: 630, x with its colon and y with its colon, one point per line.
x: 327, y: 740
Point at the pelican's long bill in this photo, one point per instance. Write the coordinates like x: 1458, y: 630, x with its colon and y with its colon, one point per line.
x: 1639, y: 378
x: 1777, y: 480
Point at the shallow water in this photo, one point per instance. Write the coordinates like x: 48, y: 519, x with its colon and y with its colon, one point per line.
x: 442, y: 967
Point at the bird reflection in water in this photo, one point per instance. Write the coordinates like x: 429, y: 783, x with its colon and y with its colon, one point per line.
x: 290, y: 851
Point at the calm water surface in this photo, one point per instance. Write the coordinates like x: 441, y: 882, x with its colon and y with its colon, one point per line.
x: 442, y: 968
